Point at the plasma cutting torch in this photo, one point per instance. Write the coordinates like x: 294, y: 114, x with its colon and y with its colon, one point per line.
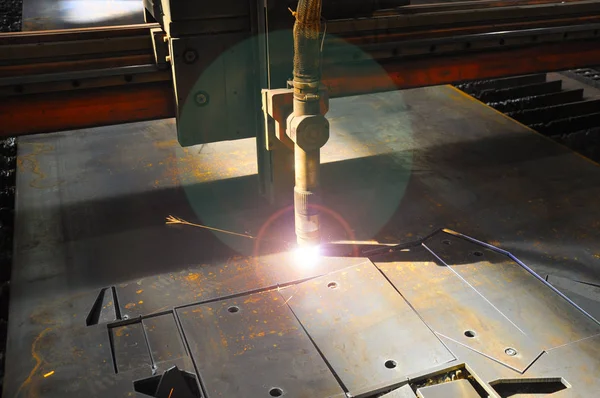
x: 307, y: 126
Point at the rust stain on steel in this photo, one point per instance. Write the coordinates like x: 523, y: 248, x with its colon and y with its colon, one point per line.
x: 192, y: 276
x: 30, y: 162
x: 38, y: 360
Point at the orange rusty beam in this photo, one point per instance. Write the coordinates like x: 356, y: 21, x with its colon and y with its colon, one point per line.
x: 345, y: 80
x: 70, y: 110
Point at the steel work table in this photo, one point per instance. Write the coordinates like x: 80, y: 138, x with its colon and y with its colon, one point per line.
x: 91, y: 244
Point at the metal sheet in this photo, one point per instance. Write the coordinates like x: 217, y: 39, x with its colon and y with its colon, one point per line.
x: 457, y: 310
x: 91, y: 205
x: 531, y: 305
x: 555, y: 364
x: 164, y: 338
x: 370, y: 343
x: 253, y: 346
x: 585, y: 295
x: 453, y: 389
x: 129, y: 347
x: 560, y: 361
x: 235, y: 276
x: 403, y: 392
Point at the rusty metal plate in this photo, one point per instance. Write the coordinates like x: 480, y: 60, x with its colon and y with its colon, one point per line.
x: 369, y: 335
x: 455, y: 309
x: 529, y: 302
x: 252, y: 346
x: 202, y: 283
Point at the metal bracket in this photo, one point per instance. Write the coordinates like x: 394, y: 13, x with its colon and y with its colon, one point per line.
x: 278, y: 105
x: 160, y: 46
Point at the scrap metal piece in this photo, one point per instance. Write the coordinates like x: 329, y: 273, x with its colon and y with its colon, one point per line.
x: 173, y: 384
x: 103, y: 310
x: 458, y: 389
x: 403, y: 392
x: 369, y: 343
x: 253, y: 346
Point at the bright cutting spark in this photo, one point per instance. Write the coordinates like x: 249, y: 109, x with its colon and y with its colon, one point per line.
x: 49, y: 374
x: 177, y: 220
x: 307, y: 256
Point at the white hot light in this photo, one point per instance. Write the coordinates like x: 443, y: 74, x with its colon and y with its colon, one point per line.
x: 307, y: 256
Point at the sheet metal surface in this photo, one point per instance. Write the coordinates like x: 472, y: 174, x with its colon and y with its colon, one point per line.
x: 468, y: 317
x: 254, y: 347
x: 91, y: 207
x: 370, y: 336
x: 530, y: 305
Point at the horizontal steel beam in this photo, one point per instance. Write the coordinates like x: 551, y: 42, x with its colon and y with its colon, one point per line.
x: 348, y: 80
x: 501, y: 38
x: 71, y: 110
x: 68, y: 110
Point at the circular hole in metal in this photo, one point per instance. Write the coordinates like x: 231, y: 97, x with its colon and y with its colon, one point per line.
x: 233, y: 309
x: 596, y: 32
x: 470, y: 333
x: 565, y: 35
x: 75, y: 83
x: 446, y: 242
x: 276, y: 392
x: 128, y: 78
x: 395, y: 52
x: 478, y: 254
x: 432, y: 48
x: 467, y: 45
x: 501, y: 42
x: 390, y: 364
x: 510, y: 351
x: 332, y: 285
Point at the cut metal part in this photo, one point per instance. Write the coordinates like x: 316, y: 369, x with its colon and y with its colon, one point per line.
x: 458, y: 388
x: 253, y: 346
x: 370, y: 344
x: 468, y: 317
